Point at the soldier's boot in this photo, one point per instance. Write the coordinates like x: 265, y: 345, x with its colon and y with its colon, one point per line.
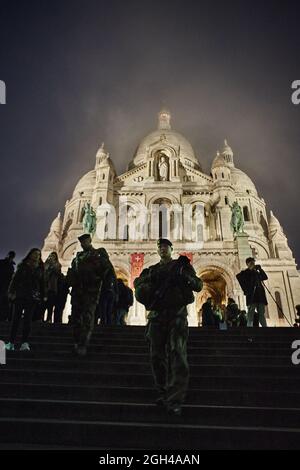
x: 161, y: 402
x: 175, y: 409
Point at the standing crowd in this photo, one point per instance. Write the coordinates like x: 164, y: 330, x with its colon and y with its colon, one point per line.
x: 38, y: 291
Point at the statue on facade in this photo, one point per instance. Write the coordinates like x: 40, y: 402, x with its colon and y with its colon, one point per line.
x: 89, y: 219
x: 163, y: 168
x: 237, y: 218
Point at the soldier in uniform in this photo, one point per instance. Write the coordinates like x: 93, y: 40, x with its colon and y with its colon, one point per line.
x: 85, y: 276
x: 165, y: 289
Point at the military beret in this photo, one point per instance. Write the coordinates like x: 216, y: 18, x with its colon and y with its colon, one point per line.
x: 164, y: 241
x: 84, y: 237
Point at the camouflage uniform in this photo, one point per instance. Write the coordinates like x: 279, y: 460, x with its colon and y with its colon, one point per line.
x: 167, y: 328
x: 85, y: 276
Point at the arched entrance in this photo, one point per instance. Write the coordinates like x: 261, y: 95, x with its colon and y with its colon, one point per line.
x: 214, y: 286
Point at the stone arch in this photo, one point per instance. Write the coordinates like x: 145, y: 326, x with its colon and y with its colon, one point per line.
x: 162, y: 149
x: 166, y: 219
x: 264, y: 225
x: 121, y: 269
x: 261, y: 248
x: 276, y: 315
x: 132, y: 200
x: 162, y: 195
x: 217, y: 284
x: 227, y: 273
x: 138, y: 222
x: 209, y: 219
x: 69, y: 250
x: 159, y: 157
x: 66, y: 228
x: 246, y: 214
x: 106, y: 222
x: 278, y: 298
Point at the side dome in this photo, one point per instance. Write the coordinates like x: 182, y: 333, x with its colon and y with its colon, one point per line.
x: 86, y: 183
x: 242, y: 182
x: 56, y: 224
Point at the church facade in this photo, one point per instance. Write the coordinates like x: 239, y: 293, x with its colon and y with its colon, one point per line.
x: 165, y: 192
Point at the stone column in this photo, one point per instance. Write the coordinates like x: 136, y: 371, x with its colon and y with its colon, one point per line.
x: 225, y: 217
x: 244, y: 250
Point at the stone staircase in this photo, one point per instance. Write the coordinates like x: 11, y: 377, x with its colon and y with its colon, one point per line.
x: 244, y: 392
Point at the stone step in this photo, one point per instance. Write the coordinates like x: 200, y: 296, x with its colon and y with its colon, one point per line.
x: 197, y: 396
x: 48, y: 345
x: 142, y: 343
x: 243, y: 392
x: 200, y: 369
x: 210, y: 357
x: 149, y: 413
x: 107, y: 434
x: 98, y: 378
x: 139, y: 330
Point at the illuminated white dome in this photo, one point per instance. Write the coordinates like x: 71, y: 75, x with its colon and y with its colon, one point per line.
x: 167, y: 137
x: 86, y: 183
x: 242, y: 182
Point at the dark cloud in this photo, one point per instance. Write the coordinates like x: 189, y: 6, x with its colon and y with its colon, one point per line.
x: 79, y: 73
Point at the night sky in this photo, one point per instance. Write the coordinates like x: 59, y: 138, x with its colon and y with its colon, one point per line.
x: 81, y: 72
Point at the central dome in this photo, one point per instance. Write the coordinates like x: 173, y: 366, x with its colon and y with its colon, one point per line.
x: 165, y: 136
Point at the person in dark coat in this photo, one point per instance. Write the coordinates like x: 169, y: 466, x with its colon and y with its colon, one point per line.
x: 7, y: 269
x: 297, y: 319
x: 26, y: 291
x: 251, y: 281
x: 108, y: 298
x: 52, y: 274
x: 242, y: 321
x: 232, y: 313
x: 61, y: 298
x: 208, y: 317
x: 125, y: 300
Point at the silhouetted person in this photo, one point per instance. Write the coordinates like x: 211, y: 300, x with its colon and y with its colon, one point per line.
x: 7, y: 269
x: 61, y: 298
x: 208, y: 318
x: 242, y: 321
x: 218, y: 315
x: 232, y: 313
x: 251, y: 281
x: 125, y: 300
x: 52, y: 274
x: 108, y: 298
x: 297, y: 319
x: 26, y: 291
